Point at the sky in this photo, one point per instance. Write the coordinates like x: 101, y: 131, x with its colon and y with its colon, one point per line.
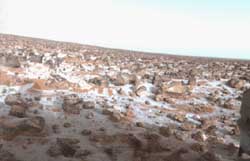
x: 216, y: 28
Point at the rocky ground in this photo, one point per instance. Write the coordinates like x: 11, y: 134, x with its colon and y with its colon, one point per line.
x: 71, y: 102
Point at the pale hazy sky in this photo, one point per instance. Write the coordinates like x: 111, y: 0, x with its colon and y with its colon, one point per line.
x: 205, y: 28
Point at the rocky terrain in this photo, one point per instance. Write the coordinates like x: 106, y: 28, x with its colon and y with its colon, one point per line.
x: 71, y: 102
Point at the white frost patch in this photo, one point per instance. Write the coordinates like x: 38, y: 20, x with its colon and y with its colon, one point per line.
x: 7, y: 90
x: 37, y: 71
x: 193, y: 118
x: 67, y: 72
x: 88, y: 67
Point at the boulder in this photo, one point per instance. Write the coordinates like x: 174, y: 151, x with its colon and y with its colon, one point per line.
x: 236, y: 83
x: 10, y: 128
x: 243, y: 123
x: 11, y: 61
x: 72, y: 104
x: 14, y: 99
x: 245, y: 107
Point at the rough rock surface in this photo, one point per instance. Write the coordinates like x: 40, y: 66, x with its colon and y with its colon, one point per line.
x: 71, y: 102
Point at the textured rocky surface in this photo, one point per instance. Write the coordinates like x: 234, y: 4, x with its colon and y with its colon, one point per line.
x: 71, y: 102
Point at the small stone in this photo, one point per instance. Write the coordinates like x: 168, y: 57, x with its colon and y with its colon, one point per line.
x: 139, y: 124
x: 174, y: 87
x: 82, y: 153
x: 72, y: 99
x: 67, y: 146
x: 177, y: 117
x: 10, y: 128
x: 116, y: 117
x: 66, y: 125
x: 54, y: 151
x: 211, y: 130
x: 166, y: 131
x: 236, y: 83
x: 18, y: 111
x: 107, y: 112
x: 56, y: 128
x: 71, y: 109
x: 14, y: 99
x: 141, y: 91
x: 182, y: 136
x: 199, y: 136
x: 197, y: 147
x: 88, y: 105
x: 90, y: 115
x: 118, y: 80
x: 86, y: 132
x: 187, y: 126
x: 229, y: 104
x: 191, y: 81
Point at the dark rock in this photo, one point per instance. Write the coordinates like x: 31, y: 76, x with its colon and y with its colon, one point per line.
x: 12, y: 61
x: 54, y: 151
x: 166, y: 131
x: 97, y: 81
x: 56, y: 128
x: 82, y: 153
x: 88, y: 105
x: 86, y: 132
x: 72, y: 104
x: 68, y: 146
x: 191, y: 81
x: 36, y: 58
x: 197, y: 147
x: 67, y: 125
x: 140, y: 124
